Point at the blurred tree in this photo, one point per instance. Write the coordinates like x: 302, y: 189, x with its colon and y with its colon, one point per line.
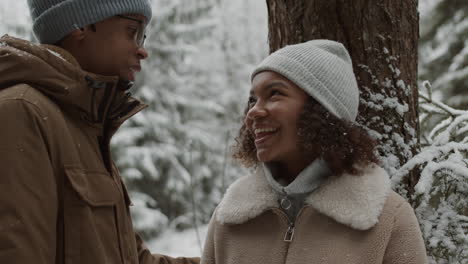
x: 167, y: 153
x: 175, y: 155
x: 15, y: 20
x: 444, y: 49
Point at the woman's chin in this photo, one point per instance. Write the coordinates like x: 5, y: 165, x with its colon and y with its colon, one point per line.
x: 263, y: 156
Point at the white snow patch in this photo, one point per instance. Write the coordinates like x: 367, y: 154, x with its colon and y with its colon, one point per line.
x: 393, y: 103
x: 143, y: 214
x: 177, y: 244
x: 387, y: 83
x: 401, y: 84
x: 56, y: 54
x: 132, y: 173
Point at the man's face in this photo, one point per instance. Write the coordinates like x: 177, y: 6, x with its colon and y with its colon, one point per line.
x: 112, y: 48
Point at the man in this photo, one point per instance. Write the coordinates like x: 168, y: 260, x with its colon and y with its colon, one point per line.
x: 61, y: 197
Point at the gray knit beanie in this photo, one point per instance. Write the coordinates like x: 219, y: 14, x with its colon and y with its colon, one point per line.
x: 54, y: 19
x: 323, y: 69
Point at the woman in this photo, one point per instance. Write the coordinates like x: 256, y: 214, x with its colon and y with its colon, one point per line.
x: 317, y: 195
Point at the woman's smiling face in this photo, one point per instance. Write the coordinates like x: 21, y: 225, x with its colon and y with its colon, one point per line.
x: 275, y: 105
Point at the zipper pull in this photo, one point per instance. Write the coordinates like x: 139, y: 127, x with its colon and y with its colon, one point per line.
x: 288, y: 237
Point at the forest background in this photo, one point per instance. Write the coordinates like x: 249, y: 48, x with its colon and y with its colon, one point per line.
x: 175, y: 155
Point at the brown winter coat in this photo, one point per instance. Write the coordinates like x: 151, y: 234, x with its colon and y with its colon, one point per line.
x: 61, y: 197
x: 347, y: 220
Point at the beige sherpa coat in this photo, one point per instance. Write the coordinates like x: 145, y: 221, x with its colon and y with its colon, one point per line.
x: 349, y: 219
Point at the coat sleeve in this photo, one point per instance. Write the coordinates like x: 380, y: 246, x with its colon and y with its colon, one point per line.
x: 145, y: 256
x: 208, y: 256
x: 406, y: 244
x: 28, y: 196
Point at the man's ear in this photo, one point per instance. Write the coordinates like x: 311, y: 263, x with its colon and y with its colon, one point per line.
x: 73, y: 38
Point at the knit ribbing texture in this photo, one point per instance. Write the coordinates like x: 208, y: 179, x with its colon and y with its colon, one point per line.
x: 54, y: 19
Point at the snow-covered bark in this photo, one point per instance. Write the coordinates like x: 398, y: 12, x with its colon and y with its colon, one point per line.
x: 381, y: 37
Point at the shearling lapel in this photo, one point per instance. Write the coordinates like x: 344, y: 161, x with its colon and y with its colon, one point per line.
x: 355, y: 201
x: 246, y: 198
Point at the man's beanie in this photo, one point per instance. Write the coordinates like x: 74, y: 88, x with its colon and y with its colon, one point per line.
x: 323, y: 69
x: 54, y: 19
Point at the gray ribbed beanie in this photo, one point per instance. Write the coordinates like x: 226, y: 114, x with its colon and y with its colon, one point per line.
x: 54, y: 19
x: 323, y: 69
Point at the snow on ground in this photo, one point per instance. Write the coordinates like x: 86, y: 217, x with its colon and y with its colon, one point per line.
x: 179, y: 244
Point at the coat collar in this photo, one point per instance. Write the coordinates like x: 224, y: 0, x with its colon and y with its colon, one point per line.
x: 355, y: 201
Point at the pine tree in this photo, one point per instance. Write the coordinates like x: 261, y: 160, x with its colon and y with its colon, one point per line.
x: 444, y: 49
x: 167, y: 150
x: 175, y: 155
x: 442, y: 190
x: 440, y: 194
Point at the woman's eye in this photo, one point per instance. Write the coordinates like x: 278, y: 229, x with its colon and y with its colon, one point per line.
x: 275, y: 92
x: 252, y: 101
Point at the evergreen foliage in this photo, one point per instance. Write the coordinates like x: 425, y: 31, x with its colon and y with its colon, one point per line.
x: 443, y: 49
x: 440, y: 195
x: 440, y: 198
x: 175, y: 155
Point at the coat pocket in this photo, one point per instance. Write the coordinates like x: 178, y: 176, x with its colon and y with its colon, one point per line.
x: 91, y: 233
x: 94, y: 188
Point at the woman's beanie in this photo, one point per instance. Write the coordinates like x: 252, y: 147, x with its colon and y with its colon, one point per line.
x: 54, y: 19
x: 323, y: 69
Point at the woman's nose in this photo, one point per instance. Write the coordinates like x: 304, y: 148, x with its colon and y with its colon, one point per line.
x: 257, y: 111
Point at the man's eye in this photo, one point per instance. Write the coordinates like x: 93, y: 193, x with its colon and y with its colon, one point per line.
x: 133, y: 31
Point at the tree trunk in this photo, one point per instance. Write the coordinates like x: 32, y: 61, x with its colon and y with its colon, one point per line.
x: 381, y: 37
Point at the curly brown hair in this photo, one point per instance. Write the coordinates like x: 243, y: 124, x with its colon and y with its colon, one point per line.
x: 343, y: 145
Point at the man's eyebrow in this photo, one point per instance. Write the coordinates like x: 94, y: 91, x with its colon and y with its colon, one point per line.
x: 136, y: 20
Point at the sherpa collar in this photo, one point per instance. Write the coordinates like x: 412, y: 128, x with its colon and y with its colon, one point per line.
x: 355, y: 201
